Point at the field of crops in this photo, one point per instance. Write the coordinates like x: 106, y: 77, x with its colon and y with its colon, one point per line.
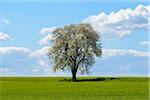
x: 87, y: 88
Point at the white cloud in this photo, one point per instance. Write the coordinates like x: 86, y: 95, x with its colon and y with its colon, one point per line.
x: 4, y: 22
x: 46, y: 39
x: 125, y: 68
x: 4, y: 36
x: 41, y: 69
x: 37, y: 53
x: 146, y: 43
x: 10, y: 50
x: 121, y: 52
x: 41, y: 63
x: 121, y: 23
x: 41, y: 52
x: 4, y: 70
x: 47, y: 30
x: 30, y: 65
x: 42, y: 60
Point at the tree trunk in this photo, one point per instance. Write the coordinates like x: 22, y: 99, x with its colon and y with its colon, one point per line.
x: 73, y: 76
x: 74, y: 71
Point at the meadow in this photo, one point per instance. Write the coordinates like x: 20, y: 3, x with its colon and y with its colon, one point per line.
x: 86, y: 88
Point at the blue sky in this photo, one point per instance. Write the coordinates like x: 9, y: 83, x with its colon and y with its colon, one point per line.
x: 25, y: 25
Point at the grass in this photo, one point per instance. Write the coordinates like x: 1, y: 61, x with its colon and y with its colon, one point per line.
x: 89, y: 88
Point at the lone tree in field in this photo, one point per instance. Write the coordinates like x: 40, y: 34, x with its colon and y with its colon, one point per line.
x: 74, y: 48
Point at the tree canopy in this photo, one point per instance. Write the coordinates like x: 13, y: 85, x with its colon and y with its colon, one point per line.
x: 74, y: 48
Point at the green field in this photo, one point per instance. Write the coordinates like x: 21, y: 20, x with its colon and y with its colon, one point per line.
x: 91, y: 88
